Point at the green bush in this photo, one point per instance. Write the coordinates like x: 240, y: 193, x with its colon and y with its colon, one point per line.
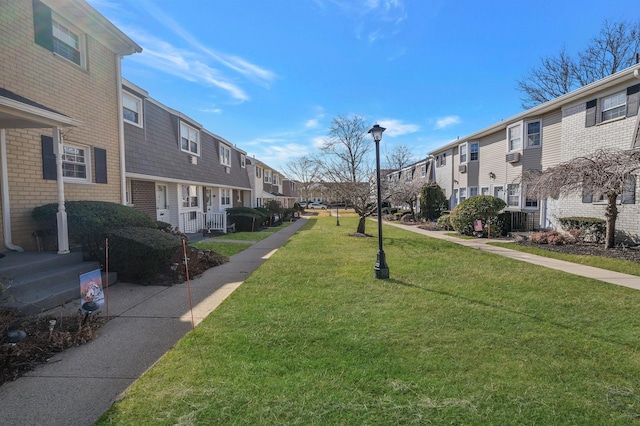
x: 247, y: 219
x: 89, y: 222
x: 592, y: 229
x: 433, y: 202
x: 444, y: 222
x: 141, y: 254
x: 480, y: 207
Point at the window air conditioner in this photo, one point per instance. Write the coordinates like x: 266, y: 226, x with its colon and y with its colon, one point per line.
x: 193, y: 159
x: 227, y: 169
x: 513, y: 157
x: 462, y: 168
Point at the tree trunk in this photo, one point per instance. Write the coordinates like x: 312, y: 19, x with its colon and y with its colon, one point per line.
x: 361, y: 225
x: 611, y: 214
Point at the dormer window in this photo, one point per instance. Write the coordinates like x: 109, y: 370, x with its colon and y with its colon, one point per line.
x: 189, y: 139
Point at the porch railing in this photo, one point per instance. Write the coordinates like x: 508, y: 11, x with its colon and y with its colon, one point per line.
x: 195, y: 222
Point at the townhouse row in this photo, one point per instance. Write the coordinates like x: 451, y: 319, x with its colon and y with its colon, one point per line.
x: 72, y: 129
x: 601, y: 115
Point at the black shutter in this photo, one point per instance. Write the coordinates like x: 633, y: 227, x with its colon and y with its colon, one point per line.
x: 42, y: 25
x: 633, y: 98
x: 100, y: 157
x: 48, y: 158
x: 592, y: 107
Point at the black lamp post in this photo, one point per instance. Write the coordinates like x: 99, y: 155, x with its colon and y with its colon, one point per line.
x: 380, y: 269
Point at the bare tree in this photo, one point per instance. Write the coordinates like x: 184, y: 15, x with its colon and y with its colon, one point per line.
x: 399, y: 157
x: 612, y: 50
x: 602, y: 174
x: 408, y: 192
x: 347, y: 164
x: 305, y: 171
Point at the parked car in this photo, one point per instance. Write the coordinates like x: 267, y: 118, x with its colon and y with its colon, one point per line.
x: 303, y: 204
x: 318, y: 206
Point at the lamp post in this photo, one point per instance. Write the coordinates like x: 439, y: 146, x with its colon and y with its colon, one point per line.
x: 380, y: 269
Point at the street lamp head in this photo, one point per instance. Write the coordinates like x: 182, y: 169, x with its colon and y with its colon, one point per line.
x: 376, y: 132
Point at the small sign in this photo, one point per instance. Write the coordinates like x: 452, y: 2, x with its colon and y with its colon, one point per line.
x: 91, y: 288
x: 477, y: 225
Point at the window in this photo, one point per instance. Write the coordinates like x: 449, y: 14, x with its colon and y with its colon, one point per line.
x: 276, y: 179
x: 225, y: 155
x: 534, y: 134
x: 614, y: 106
x: 75, y: 163
x: 441, y: 160
x: 484, y: 190
x: 473, y: 191
x: 408, y: 176
x: 454, y: 198
x: 58, y: 36
x: 513, y: 135
x: 189, y: 140
x: 531, y: 203
x: 267, y: 176
x: 132, y: 109
x: 258, y: 172
x: 474, y: 149
x: 423, y: 170
x: 225, y: 197
x: 513, y: 195
x: 189, y: 196
x: 498, y: 191
x: 243, y: 161
x: 628, y: 195
x: 463, y: 194
x: 463, y: 153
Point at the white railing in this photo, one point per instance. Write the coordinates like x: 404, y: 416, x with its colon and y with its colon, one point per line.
x: 195, y: 222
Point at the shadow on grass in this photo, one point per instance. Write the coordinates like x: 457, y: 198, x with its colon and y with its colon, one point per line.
x: 511, y: 311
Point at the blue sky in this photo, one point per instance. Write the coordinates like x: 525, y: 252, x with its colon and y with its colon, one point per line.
x: 269, y: 75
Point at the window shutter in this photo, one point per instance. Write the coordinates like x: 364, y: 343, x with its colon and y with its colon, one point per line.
x: 42, y: 25
x: 592, y: 107
x: 633, y: 99
x: 100, y: 157
x: 587, y: 196
x: 49, y: 171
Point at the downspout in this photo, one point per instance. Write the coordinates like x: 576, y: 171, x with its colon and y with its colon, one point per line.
x: 123, y: 177
x: 6, y: 206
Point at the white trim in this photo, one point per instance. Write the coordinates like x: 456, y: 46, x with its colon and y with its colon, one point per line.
x: 179, y: 181
x: 6, y: 204
x: 189, y: 141
x: 138, y: 101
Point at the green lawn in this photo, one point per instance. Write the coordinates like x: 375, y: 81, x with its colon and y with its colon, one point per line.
x: 618, y: 265
x: 456, y: 336
x: 225, y: 248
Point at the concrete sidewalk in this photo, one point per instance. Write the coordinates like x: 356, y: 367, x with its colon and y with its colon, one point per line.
x: 79, y: 384
x: 616, y: 278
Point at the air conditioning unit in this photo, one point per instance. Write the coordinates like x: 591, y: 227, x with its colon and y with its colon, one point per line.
x: 227, y: 169
x: 193, y: 159
x: 513, y: 157
x: 462, y: 168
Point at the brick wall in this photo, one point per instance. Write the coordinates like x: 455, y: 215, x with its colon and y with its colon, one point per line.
x: 90, y: 96
x: 143, y: 195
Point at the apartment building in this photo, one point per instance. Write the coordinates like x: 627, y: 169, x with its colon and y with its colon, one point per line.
x: 601, y: 115
x: 177, y: 171
x: 60, y: 128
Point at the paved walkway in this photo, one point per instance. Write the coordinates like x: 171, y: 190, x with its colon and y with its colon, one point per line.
x: 79, y: 384
x: 617, y: 278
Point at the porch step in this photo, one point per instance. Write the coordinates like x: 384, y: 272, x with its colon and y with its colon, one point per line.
x: 37, y: 282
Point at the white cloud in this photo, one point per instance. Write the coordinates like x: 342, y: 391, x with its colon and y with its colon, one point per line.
x: 444, y: 122
x: 397, y: 127
x: 311, y: 124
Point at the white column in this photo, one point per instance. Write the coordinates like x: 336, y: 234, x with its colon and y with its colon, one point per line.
x: 63, y: 230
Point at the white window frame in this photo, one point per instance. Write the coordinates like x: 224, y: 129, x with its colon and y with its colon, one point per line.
x: 71, y: 158
x: 225, y: 198
x: 191, y: 132
x: 473, y: 191
x: 537, y: 143
x: 441, y: 160
x: 462, y: 194
x: 485, y: 190
x: 64, y: 35
x: 513, y: 195
x: 225, y: 155
x: 259, y: 172
x: 474, y: 148
x: 267, y: 176
x: 133, y: 100
x: 617, y: 106
x: 514, y: 138
x: 243, y: 161
x: 463, y: 152
x: 423, y: 170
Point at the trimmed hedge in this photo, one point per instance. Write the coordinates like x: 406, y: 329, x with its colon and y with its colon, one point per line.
x: 479, y: 207
x: 89, y: 222
x: 247, y: 219
x: 592, y: 229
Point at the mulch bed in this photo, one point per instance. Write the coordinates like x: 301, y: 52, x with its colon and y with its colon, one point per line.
x: 589, y: 249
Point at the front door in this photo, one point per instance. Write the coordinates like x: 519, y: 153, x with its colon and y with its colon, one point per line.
x: 208, y: 200
x: 162, y: 205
